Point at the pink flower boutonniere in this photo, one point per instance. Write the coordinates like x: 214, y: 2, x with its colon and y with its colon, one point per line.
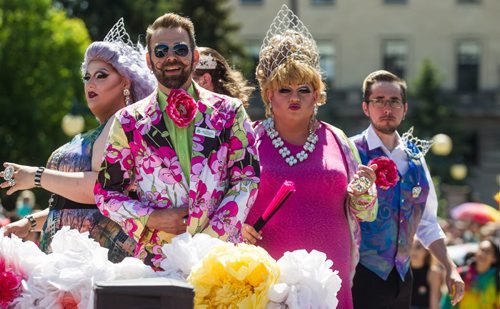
x: 181, y: 107
x: 387, y: 172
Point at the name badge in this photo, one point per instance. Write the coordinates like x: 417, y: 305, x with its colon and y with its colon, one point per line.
x: 205, y: 132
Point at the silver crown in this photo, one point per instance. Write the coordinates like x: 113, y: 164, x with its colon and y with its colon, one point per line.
x: 207, y: 62
x: 287, y: 38
x: 118, y: 34
x: 420, y: 146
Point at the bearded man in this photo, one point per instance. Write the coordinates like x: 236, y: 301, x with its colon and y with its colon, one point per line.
x: 188, y: 153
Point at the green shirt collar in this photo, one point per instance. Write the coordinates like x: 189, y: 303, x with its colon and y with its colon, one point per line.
x: 162, y: 97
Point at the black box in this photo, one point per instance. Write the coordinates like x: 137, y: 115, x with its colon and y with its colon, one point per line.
x: 146, y: 293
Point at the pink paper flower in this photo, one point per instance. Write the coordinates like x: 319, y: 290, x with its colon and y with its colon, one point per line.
x: 181, y: 107
x: 387, y: 172
x: 10, y: 285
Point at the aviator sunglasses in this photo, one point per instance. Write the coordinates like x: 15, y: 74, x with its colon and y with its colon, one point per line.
x: 180, y: 49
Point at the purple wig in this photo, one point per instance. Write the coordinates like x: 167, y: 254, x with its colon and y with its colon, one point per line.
x: 129, y: 61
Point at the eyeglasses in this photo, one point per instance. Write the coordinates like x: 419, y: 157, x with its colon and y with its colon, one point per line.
x: 382, y: 103
x: 180, y: 49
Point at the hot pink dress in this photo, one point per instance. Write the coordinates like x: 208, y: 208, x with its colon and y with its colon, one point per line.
x: 314, y: 216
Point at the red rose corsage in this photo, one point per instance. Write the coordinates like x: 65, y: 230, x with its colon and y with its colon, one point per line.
x: 387, y: 172
x: 181, y: 107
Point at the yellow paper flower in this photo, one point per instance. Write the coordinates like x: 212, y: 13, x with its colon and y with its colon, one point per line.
x: 497, y: 198
x: 234, y: 277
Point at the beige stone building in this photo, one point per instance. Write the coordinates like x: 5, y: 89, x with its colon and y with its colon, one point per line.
x: 356, y: 37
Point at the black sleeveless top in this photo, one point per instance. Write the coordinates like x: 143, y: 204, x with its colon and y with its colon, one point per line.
x: 420, y: 292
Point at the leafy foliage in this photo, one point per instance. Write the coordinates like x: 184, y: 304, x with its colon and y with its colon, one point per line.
x: 211, y: 18
x: 430, y: 110
x: 138, y: 14
x: 40, y: 55
x: 431, y: 115
x: 213, y: 25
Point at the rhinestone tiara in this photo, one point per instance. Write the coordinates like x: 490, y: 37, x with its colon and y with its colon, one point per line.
x: 287, y: 39
x: 415, y: 147
x: 118, y: 34
x: 207, y: 62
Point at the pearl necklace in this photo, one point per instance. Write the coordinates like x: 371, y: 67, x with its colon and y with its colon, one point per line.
x: 278, y: 143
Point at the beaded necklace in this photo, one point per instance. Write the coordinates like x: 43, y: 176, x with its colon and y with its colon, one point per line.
x: 278, y: 143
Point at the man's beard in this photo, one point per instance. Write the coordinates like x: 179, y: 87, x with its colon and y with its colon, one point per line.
x: 172, y: 82
x: 386, y: 128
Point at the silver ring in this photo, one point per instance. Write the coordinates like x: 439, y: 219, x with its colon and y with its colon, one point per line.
x: 12, y: 182
x: 8, y: 172
x: 362, y: 184
x: 184, y: 220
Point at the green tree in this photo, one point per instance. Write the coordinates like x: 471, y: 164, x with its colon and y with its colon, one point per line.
x: 427, y: 115
x: 434, y: 114
x: 431, y: 113
x: 213, y: 25
x: 211, y: 18
x: 40, y: 55
x: 138, y: 14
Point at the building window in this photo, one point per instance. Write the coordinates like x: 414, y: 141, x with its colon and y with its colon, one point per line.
x: 395, y: 56
x: 327, y: 61
x: 251, y: 1
x: 321, y: 2
x: 468, y: 65
x: 395, y: 1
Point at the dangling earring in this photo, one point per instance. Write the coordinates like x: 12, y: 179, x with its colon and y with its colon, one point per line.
x: 271, y: 111
x: 126, y: 94
x: 312, y: 121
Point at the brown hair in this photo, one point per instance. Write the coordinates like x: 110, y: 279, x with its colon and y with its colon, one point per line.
x: 171, y: 20
x: 382, y: 76
x: 225, y: 79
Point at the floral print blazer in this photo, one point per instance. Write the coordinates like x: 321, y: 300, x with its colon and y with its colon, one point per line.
x: 140, y: 156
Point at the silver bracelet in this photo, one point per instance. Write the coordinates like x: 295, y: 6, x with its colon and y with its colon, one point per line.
x: 38, y: 176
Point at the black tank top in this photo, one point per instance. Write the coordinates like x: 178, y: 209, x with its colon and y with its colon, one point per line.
x: 420, y: 292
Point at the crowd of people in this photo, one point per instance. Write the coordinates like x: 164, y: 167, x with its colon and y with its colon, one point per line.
x: 176, y: 152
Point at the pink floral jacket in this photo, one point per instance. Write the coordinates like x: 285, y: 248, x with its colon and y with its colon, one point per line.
x: 140, y: 155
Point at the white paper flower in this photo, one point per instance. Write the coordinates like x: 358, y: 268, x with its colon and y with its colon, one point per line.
x: 67, y: 275
x: 131, y: 268
x: 21, y: 256
x: 184, y: 252
x: 306, y: 281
